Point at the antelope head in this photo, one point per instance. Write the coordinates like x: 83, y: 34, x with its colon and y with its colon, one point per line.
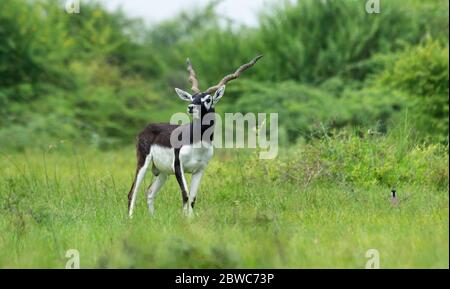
x: 201, y: 103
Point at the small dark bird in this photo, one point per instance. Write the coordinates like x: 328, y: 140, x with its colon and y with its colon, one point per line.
x: 394, y: 199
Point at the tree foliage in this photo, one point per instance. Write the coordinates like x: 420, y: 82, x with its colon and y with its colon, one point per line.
x: 99, y: 76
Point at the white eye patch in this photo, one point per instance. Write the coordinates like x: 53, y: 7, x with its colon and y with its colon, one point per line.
x: 207, y: 101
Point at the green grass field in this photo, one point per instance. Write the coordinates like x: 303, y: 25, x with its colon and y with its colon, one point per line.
x: 293, y: 212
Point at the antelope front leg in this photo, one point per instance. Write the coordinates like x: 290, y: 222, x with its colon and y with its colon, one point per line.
x: 179, y: 174
x: 195, y: 183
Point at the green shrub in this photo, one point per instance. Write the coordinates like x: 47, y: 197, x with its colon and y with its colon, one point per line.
x: 374, y: 159
x: 104, y: 109
x: 306, y: 111
x: 109, y: 109
x: 310, y: 41
x: 422, y: 72
x: 306, y: 41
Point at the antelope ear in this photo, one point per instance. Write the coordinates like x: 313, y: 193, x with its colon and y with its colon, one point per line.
x: 218, y: 95
x: 183, y: 94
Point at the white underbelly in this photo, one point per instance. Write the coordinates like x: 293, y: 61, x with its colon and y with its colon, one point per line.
x: 163, y: 158
x: 192, y: 158
x: 195, y: 159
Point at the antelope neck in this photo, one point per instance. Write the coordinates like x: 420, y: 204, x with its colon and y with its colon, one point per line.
x: 198, y: 123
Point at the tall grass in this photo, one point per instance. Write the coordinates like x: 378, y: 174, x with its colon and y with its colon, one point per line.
x: 318, y: 205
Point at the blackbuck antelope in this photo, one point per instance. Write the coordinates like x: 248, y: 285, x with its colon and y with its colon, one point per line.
x: 178, y: 149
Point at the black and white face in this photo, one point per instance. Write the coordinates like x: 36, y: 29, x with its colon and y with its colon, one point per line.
x: 201, y: 103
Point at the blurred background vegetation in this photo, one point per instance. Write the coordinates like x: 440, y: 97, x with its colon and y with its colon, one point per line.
x: 98, y: 77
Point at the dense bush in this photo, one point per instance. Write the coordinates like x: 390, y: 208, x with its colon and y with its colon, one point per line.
x: 39, y: 40
x: 311, y: 41
x: 422, y: 72
x: 357, y: 161
x: 72, y: 77
x: 306, y: 111
x: 372, y: 160
x: 104, y: 109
